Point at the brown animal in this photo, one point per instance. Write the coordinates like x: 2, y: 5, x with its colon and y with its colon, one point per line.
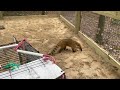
x: 63, y: 44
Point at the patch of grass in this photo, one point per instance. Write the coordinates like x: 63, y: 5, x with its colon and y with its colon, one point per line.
x: 115, y: 22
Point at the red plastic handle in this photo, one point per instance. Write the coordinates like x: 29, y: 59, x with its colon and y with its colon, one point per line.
x: 20, y: 44
x: 48, y: 57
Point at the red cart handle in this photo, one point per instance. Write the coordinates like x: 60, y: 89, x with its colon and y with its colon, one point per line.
x: 48, y: 57
x: 20, y: 44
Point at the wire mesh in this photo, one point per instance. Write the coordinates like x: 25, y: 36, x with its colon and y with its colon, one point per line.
x: 89, y: 26
x: 31, y: 69
x: 9, y: 54
x: 25, y: 68
x: 111, y: 38
x: 69, y: 15
x: 34, y: 70
x: 110, y: 35
x: 24, y: 58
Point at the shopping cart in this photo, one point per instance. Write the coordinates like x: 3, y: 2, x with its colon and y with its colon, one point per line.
x: 31, y: 64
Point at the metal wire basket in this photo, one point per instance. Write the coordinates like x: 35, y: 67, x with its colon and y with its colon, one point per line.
x: 33, y: 65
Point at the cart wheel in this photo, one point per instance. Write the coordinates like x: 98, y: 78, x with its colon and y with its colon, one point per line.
x: 63, y: 76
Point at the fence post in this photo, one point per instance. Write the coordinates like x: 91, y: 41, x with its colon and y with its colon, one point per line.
x: 99, y: 38
x: 77, y: 21
x: 1, y: 15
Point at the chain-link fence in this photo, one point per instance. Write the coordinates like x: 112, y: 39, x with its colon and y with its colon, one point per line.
x: 111, y: 37
x: 69, y: 15
x: 90, y: 23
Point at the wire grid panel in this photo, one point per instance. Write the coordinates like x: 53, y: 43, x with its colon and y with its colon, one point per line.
x: 24, y: 58
x: 111, y: 37
x: 89, y: 24
x: 34, y: 70
x: 69, y: 15
x: 7, y: 55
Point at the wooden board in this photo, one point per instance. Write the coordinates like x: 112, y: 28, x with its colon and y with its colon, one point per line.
x: 111, y: 14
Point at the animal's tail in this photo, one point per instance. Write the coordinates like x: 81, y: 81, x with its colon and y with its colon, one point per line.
x: 54, y: 51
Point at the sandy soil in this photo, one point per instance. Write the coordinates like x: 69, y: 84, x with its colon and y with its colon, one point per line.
x: 43, y: 33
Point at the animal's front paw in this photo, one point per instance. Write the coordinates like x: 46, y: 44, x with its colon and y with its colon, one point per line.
x: 74, y: 51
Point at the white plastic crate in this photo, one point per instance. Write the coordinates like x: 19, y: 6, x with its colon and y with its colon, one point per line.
x: 34, y: 70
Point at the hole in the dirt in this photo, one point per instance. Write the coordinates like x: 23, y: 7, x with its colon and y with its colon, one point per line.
x: 2, y: 27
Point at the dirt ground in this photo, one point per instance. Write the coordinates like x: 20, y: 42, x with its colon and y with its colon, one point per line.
x: 44, y: 32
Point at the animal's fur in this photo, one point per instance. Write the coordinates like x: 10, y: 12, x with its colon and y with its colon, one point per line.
x: 62, y: 44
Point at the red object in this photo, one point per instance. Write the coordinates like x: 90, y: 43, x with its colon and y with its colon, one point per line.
x: 0, y: 66
x: 48, y: 57
x: 20, y: 44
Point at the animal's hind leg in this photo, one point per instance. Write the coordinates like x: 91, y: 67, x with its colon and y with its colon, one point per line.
x: 60, y: 50
x: 73, y: 50
x: 79, y: 46
x: 64, y: 48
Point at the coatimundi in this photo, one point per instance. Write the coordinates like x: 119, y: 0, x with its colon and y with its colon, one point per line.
x: 62, y: 44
